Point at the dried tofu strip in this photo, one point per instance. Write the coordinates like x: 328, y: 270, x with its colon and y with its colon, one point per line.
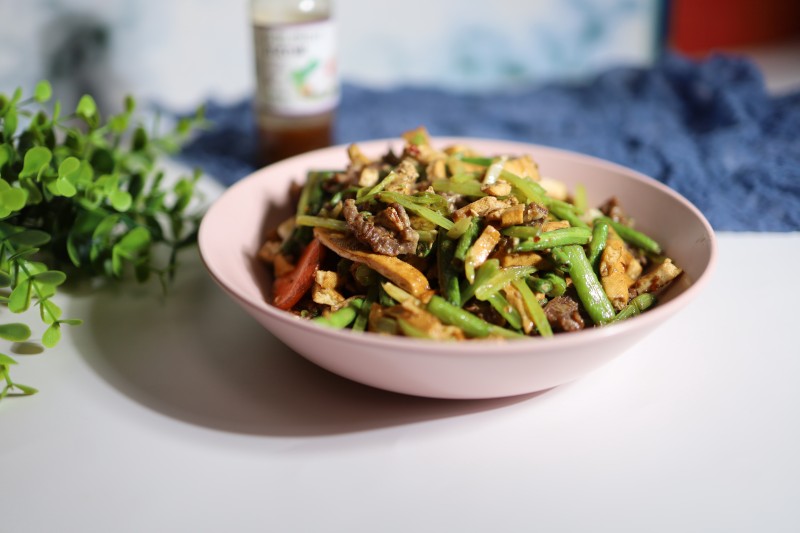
x: 396, y: 270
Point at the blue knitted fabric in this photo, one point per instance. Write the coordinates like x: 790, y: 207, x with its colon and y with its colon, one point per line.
x: 707, y: 129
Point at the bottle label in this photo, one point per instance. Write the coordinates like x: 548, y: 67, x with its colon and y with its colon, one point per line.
x: 296, y: 68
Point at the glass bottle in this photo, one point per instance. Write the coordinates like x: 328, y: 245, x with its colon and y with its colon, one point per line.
x: 297, y: 84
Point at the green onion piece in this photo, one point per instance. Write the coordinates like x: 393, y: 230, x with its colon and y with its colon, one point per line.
x: 506, y: 310
x: 494, y: 170
x: 530, y: 190
x: 534, y: 308
x: 459, y: 228
x: 500, y: 279
x: 567, y: 212
x: 488, y: 269
x: 480, y: 161
x: 321, y: 222
x: 426, y: 213
x: 467, y: 187
x: 580, y: 199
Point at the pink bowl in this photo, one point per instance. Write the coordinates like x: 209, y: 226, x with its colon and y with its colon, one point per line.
x: 232, y: 230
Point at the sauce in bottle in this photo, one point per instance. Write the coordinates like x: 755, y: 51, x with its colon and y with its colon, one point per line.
x: 296, y: 76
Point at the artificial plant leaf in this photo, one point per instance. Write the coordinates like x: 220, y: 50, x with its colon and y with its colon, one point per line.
x: 36, y: 160
x: 15, y: 332
x: 43, y: 91
x: 51, y: 335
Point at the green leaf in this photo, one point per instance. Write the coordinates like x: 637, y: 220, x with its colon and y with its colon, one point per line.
x: 10, y: 122
x: 49, y: 311
x: 87, y: 108
x: 15, y: 332
x: 65, y: 188
x: 51, y: 335
x: 69, y: 167
x: 5, y: 279
x: 6, y: 155
x: 130, y: 104
x: 139, y: 139
x: 29, y: 238
x: 50, y: 277
x: 121, y: 200
x: 103, y: 161
x: 135, y: 240
x: 43, y: 91
x: 25, y: 389
x: 72, y: 321
x: 6, y: 360
x: 13, y: 199
x: 37, y: 159
x: 20, y: 298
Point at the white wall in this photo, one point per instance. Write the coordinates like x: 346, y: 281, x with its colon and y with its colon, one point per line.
x: 180, y: 52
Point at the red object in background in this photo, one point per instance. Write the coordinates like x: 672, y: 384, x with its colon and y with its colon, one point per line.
x: 700, y: 26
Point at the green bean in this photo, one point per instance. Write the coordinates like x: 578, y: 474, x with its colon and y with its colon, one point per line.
x: 598, y: 242
x: 567, y: 212
x: 540, y: 285
x: 448, y: 274
x: 634, y: 237
x: 585, y: 281
x: 471, y: 325
x: 559, y: 284
x: 522, y: 232
x: 549, y: 283
x: 636, y: 306
x: 309, y: 203
x: 383, y: 297
x: 534, y: 309
x: 341, y: 318
x: 363, y: 313
x: 556, y: 237
x: 466, y: 240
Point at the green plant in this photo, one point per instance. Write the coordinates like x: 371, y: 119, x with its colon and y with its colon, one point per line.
x: 83, y: 198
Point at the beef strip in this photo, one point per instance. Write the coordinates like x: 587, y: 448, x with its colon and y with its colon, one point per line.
x: 563, y: 314
x: 387, y: 233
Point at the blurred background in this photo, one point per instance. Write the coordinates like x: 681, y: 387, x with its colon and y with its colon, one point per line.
x: 179, y: 53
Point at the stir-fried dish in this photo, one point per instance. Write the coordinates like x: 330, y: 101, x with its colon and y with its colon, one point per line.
x: 452, y: 244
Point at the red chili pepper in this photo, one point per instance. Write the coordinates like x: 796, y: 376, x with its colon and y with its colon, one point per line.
x: 290, y: 287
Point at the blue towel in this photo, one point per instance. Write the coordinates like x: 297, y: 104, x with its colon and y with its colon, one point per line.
x: 707, y: 129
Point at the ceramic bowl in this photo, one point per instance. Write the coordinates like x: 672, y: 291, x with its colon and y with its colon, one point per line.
x: 232, y: 230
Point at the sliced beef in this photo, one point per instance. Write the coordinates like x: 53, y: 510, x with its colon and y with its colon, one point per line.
x: 563, y: 314
x: 387, y: 233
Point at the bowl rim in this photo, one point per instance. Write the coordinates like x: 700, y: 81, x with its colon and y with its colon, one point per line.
x: 527, y: 346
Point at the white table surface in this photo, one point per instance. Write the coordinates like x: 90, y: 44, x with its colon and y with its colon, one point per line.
x: 185, y: 415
